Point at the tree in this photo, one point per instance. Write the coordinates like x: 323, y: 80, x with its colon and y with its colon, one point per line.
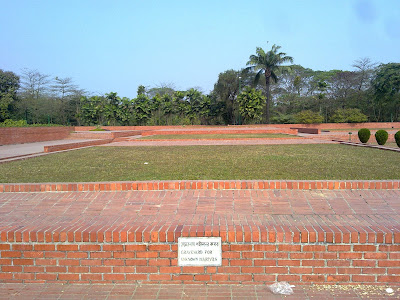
x: 226, y: 89
x: 268, y: 63
x: 387, y: 92
x: 9, y: 84
x: 251, y: 105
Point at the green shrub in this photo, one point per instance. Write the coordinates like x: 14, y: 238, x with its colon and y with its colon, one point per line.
x: 22, y: 123
x: 397, y: 138
x: 308, y: 117
x: 348, y: 115
x: 364, y: 135
x: 381, y: 137
x: 12, y: 123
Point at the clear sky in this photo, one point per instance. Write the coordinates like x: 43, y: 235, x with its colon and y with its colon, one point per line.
x: 115, y: 46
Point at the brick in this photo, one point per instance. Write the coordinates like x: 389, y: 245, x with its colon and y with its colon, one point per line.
x: 100, y: 269
x: 159, y: 262
x: 240, y: 277
x: 77, y: 255
x: 21, y: 247
x: 338, y: 263
x: 241, y: 247
x: 264, y: 248
x: 11, y: 269
x: 47, y: 277
x: 135, y: 248
x: 351, y: 255
x: 338, y: 278
x: 159, y: 247
x: 100, y: 254
x: 364, y: 248
x: 193, y: 270
x: 45, y: 247
x: 291, y: 248
x: 11, y: 254
x: 146, y: 254
x: 56, y: 269
x: 313, y: 263
x: 252, y: 254
x: 289, y: 278
x: 89, y: 247
x: 264, y: 262
x: 114, y: 277
x: 375, y: 255
x: 136, y: 262
x: 68, y: 277
x: 313, y: 278
x: 252, y: 270
x: 349, y: 270
x: 284, y: 262
x: 389, y: 263
x: 337, y: 248
x: 389, y: 278
x: 78, y: 269
x: 241, y: 262
x: 113, y: 248
x: 141, y: 277
x: 296, y: 270
x: 124, y: 269
x: 23, y: 261
x: 314, y: 248
x: 364, y: 263
x: 148, y: 269
x: 67, y: 247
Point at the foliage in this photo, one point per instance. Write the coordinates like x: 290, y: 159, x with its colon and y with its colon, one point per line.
x: 387, y: 92
x: 251, y: 105
x: 308, y: 117
x: 268, y: 64
x: 397, y: 138
x: 381, y: 137
x: 12, y: 123
x: 348, y: 115
x: 9, y: 84
x: 364, y: 135
x: 22, y: 123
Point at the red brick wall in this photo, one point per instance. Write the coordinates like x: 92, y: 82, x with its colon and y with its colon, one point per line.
x: 54, y: 148
x: 20, y: 135
x: 370, y: 125
x: 242, y: 262
x: 201, y: 185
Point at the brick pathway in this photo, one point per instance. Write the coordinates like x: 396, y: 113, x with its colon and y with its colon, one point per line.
x: 195, y: 292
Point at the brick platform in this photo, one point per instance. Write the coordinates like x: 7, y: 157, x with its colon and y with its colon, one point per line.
x: 301, y: 236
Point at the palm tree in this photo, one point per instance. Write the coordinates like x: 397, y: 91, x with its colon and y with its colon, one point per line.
x: 268, y: 63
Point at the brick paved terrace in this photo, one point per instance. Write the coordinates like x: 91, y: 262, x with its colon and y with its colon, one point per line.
x: 301, y: 236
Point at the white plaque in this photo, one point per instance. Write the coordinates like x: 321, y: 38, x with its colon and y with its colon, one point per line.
x: 199, y: 251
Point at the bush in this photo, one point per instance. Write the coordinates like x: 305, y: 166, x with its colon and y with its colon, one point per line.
x: 12, y: 123
x: 381, y: 137
x: 348, y: 115
x: 397, y: 138
x: 364, y: 135
x: 308, y: 117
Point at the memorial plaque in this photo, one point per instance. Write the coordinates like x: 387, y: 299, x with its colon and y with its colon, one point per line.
x: 199, y: 251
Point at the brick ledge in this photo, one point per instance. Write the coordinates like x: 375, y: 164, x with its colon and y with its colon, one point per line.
x: 202, y: 185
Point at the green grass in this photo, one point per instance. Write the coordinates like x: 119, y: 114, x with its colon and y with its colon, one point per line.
x: 217, y: 136
x: 307, y: 162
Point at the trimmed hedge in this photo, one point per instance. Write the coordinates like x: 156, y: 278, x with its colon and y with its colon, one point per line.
x: 381, y: 137
x: 364, y: 135
x: 397, y: 138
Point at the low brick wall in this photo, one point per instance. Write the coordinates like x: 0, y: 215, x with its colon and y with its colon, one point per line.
x: 307, y: 130
x: 256, y: 257
x: 67, y: 146
x: 202, y: 185
x: 20, y: 135
x: 221, y: 131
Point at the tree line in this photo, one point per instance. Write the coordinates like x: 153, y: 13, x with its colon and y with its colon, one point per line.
x: 288, y: 94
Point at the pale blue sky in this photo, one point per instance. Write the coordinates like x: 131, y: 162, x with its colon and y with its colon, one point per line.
x: 117, y: 45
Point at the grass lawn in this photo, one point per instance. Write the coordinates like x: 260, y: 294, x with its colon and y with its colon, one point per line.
x: 206, y: 162
x: 217, y: 136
